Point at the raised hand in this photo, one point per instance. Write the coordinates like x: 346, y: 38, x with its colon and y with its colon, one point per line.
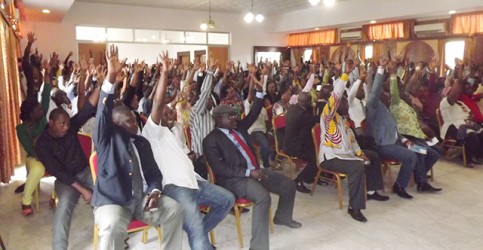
x: 83, y: 64
x: 114, y: 66
x: 164, y: 56
x: 213, y: 64
x: 31, y: 37
x: 138, y: 67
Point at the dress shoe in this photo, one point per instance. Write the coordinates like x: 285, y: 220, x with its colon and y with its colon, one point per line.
x: 400, y: 191
x: 301, y: 187
x: 426, y: 187
x: 242, y: 211
x: 291, y: 223
x: 376, y: 196
x: 476, y: 161
x: 356, y: 214
x: 320, y: 182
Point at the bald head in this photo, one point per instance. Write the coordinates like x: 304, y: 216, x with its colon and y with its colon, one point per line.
x: 304, y: 99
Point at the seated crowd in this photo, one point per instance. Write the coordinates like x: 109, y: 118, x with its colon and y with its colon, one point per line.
x: 149, y: 169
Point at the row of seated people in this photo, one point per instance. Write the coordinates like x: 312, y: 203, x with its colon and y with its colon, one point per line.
x: 231, y: 172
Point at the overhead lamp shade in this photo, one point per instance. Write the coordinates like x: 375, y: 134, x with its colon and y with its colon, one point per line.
x: 249, y: 17
x: 259, y: 18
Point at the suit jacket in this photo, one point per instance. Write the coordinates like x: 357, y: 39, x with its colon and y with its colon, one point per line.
x: 225, y: 159
x: 114, y: 182
x: 298, y: 135
x: 381, y: 123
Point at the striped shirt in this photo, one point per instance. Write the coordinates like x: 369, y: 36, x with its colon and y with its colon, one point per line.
x: 201, y: 122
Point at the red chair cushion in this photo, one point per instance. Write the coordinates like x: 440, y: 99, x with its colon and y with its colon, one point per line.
x: 243, y: 201
x: 136, y: 224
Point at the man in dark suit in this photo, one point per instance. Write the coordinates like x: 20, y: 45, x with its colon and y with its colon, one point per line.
x: 298, y: 138
x: 230, y: 154
x: 124, y: 160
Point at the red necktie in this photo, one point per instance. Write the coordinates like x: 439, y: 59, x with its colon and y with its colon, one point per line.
x: 247, y: 149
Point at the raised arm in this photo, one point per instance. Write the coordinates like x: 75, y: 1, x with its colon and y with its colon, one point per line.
x: 375, y: 91
x: 333, y: 103
x: 159, y: 96
x: 200, y: 105
x: 393, y: 86
x: 106, y: 102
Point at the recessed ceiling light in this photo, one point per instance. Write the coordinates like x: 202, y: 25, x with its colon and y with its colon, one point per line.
x: 451, y: 12
x: 316, y: 28
x: 329, y: 3
x: 372, y: 21
x: 46, y: 11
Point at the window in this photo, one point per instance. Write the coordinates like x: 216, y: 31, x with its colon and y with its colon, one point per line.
x: 271, y: 56
x: 196, y: 37
x: 219, y: 38
x: 307, y: 55
x: 146, y: 36
x: 453, y: 49
x: 369, y: 51
x: 119, y: 35
x: 96, y: 34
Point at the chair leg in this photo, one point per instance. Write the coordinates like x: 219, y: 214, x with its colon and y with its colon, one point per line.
x: 238, y: 226
x: 95, y: 238
x: 339, y: 191
x: 270, y: 220
x: 212, y: 237
x: 465, y: 161
x: 314, y: 185
x: 291, y: 168
x: 144, y: 238
x: 160, y: 236
x: 432, y: 174
x: 36, y: 197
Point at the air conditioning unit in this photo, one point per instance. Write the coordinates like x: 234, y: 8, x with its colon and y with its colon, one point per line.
x: 350, y: 35
x: 432, y: 29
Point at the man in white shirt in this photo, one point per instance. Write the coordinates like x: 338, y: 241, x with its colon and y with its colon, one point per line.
x: 180, y: 181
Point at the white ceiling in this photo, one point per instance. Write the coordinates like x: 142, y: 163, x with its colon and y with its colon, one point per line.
x: 266, y: 7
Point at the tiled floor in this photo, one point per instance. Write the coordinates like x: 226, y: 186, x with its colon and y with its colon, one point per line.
x: 449, y: 220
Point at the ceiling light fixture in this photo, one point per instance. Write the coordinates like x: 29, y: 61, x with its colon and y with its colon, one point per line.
x: 208, y: 24
x: 451, y: 12
x: 314, y: 2
x: 373, y: 21
x: 46, y: 11
x: 329, y: 3
x: 250, y: 16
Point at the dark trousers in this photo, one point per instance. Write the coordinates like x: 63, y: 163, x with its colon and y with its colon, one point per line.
x: 259, y: 193
x: 472, y: 142
x: 308, y: 173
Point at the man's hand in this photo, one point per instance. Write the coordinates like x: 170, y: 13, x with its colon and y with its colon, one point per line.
x: 152, y: 201
x: 164, y: 56
x: 31, y: 37
x: 87, y: 195
x: 364, y: 156
x: 258, y: 175
x: 409, y: 143
x: 138, y: 67
x: 113, y: 63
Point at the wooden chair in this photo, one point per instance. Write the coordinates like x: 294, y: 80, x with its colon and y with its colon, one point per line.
x: 338, y: 176
x: 240, y: 203
x: 279, y: 122
x: 450, y: 143
x: 134, y: 225
x: 86, y: 144
x: 187, y: 135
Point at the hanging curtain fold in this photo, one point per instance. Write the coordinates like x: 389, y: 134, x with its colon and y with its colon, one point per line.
x: 9, y: 102
x: 467, y: 24
x: 384, y: 31
x: 312, y: 38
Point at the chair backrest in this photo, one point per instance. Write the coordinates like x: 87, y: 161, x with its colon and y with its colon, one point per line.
x: 93, y: 165
x: 211, y: 174
x: 278, y: 122
x: 187, y: 136
x: 85, y: 141
x: 316, y: 140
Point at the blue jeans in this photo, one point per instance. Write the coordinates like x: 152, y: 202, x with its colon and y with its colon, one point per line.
x: 261, y: 140
x: 68, y: 197
x: 408, y: 160
x: 195, y: 225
